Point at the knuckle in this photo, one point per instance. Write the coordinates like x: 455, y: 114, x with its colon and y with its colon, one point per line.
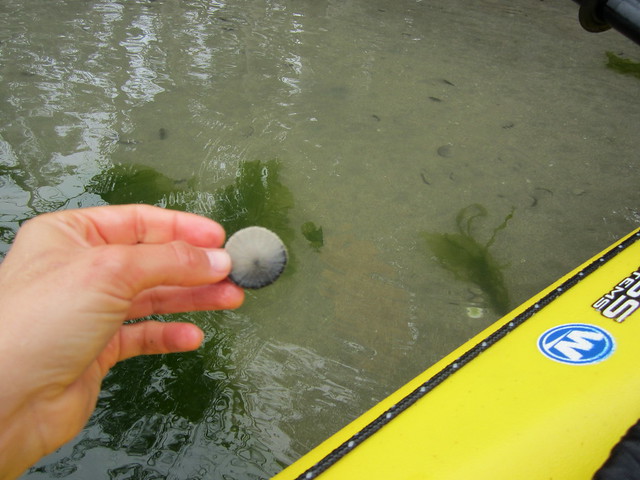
x: 186, y: 255
x: 109, y: 261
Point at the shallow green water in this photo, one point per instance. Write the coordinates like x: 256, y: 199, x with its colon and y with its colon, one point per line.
x: 374, y: 121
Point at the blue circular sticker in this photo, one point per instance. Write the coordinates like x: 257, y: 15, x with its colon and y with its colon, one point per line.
x: 577, y: 344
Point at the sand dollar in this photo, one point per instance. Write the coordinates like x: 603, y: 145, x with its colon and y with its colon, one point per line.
x: 258, y: 257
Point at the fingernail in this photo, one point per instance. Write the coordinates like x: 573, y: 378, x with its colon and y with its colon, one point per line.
x: 220, y: 261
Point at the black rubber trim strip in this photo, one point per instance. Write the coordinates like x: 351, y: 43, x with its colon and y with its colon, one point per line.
x: 453, y: 367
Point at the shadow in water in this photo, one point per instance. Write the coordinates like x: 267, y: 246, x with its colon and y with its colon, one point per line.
x: 469, y: 260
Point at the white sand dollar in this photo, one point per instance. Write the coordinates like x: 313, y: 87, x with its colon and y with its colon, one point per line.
x: 258, y: 257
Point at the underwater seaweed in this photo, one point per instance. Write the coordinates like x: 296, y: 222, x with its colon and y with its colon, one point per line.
x: 256, y: 197
x: 132, y: 183
x: 313, y: 234
x: 469, y: 260
x: 623, y: 65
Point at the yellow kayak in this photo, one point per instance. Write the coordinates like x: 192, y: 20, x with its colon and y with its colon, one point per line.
x: 544, y: 393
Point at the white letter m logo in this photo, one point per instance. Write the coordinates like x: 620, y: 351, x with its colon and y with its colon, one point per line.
x: 573, y: 342
x: 576, y: 343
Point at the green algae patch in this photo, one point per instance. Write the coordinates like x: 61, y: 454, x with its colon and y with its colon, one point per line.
x: 623, y: 65
x: 256, y: 197
x: 313, y: 234
x: 122, y: 184
x: 469, y: 259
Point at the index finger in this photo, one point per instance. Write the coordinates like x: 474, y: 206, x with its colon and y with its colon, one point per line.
x: 131, y: 224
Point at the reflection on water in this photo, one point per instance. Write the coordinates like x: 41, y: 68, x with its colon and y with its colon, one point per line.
x: 386, y: 119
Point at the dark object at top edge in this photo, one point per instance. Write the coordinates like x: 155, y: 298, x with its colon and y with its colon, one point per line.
x: 601, y: 15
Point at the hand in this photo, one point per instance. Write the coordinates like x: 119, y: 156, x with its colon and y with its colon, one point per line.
x: 68, y: 283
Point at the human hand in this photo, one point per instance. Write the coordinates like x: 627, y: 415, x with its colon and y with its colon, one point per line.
x: 68, y: 283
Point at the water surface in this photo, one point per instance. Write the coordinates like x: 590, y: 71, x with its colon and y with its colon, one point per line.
x: 376, y: 121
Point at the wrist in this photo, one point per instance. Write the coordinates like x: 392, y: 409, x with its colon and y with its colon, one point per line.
x: 15, y: 452
x: 19, y: 438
